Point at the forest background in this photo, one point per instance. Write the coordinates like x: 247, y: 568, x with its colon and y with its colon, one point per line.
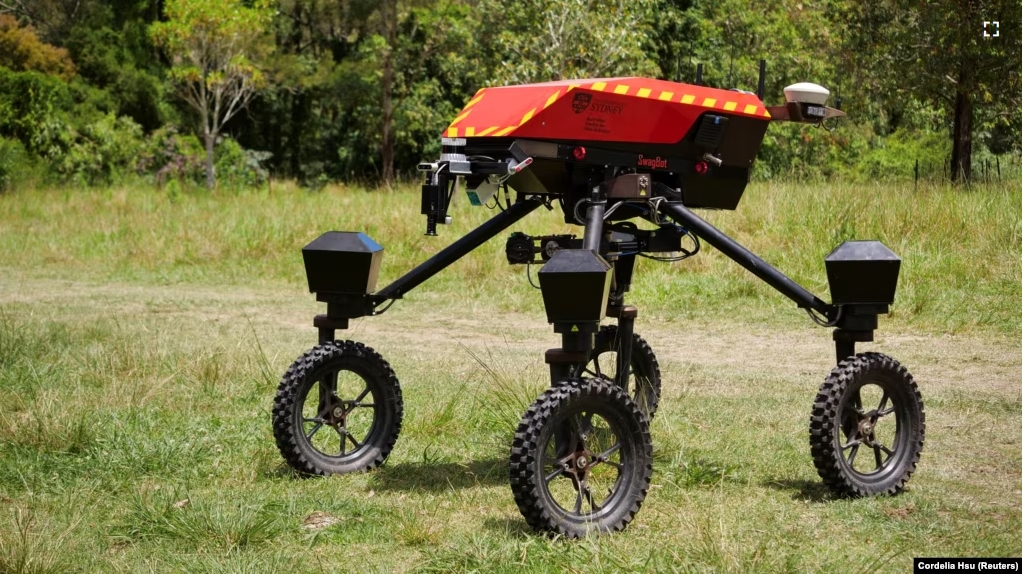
x: 93, y: 92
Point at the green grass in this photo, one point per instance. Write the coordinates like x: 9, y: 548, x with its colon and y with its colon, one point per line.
x: 142, y: 336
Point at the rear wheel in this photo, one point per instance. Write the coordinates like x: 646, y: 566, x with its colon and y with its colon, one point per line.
x: 644, y: 373
x: 338, y: 409
x: 867, y: 426
x: 581, y: 459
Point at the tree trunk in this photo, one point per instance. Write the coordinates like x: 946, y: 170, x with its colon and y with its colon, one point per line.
x: 962, y: 130
x: 211, y: 178
x: 389, y: 19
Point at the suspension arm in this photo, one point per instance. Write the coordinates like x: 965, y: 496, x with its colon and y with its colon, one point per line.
x: 746, y: 258
x: 457, y: 250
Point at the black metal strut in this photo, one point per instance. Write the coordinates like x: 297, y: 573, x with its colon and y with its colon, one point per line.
x: 746, y: 258
x: 457, y: 250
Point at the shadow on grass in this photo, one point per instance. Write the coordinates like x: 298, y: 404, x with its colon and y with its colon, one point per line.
x: 803, y: 489
x: 438, y: 476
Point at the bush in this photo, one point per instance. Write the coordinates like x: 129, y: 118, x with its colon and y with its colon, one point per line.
x: 12, y: 158
x: 896, y: 155
x: 171, y: 156
x: 238, y: 167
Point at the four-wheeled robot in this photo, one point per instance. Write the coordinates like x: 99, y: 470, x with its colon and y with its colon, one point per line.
x: 626, y: 159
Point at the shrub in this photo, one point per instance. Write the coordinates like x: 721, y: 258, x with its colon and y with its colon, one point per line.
x: 170, y: 156
x: 239, y: 167
x: 12, y: 157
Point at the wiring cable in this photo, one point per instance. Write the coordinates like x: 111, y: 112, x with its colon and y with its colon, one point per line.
x: 822, y: 322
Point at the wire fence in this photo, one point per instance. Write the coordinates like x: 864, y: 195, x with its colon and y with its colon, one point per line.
x: 986, y: 170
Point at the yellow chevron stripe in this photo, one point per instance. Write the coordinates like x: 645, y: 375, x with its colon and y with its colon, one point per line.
x: 730, y: 106
x: 599, y: 86
x: 528, y: 115
x: 571, y: 87
x: 452, y: 132
x: 551, y: 99
x: 767, y: 114
x: 750, y: 109
x: 666, y: 96
x: 709, y: 102
x: 643, y: 92
x: 687, y: 99
x: 461, y: 117
x: 504, y: 131
x: 469, y: 132
x: 474, y: 100
x: 621, y: 89
x: 486, y: 131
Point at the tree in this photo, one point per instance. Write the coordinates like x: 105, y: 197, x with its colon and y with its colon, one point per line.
x: 21, y: 50
x: 543, y: 40
x: 944, y: 54
x: 215, y: 48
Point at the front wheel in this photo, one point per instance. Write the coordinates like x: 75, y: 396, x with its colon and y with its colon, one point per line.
x: 867, y: 426
x: 644, y: 379
x: 581, y: 459
x: 338, y: 409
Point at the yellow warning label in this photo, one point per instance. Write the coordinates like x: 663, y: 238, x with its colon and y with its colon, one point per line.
x: 575, y: 328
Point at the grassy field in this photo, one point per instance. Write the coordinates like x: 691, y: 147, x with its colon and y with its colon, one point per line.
x: 143, y: 335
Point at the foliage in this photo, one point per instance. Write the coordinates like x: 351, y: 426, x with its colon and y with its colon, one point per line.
x: 937, y: 53
x: 239, y: 167
x: 544, y: 40
x: 22, y: 50
x: 214, y: 49
x: 30, y: 103
x: 12, y: 157
x: 98, y: 152
x: 320, y: 81
x: 171, y: 156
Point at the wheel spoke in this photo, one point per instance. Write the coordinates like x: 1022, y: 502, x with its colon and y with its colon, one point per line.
x: 614, y: 464
x: 547, y: 479
x: 877, y: 456
x: 852, y: 442
x: 589, y: 497
x: 887, y: 411
x: 886, y: 450
x: 356, y: 444
x: 362, y: 395
x: 578, y: 499
x: 884, y: 401
x: 852, y: 455
x: 603, y: 457
x: 316, y: 427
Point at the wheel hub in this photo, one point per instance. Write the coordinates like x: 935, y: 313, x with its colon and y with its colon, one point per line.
x: 578, y: 463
